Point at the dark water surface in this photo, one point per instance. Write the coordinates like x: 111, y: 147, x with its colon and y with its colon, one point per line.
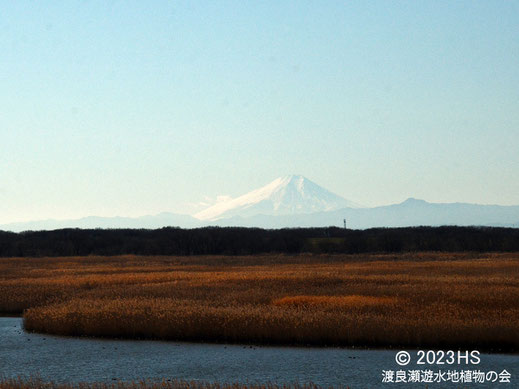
x: 73, y: 360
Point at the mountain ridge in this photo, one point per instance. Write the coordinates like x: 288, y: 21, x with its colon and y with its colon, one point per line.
x: 394, y: 215
x: 163, y: 219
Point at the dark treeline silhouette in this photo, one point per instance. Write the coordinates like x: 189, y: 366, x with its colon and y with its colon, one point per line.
x: 240, y: 241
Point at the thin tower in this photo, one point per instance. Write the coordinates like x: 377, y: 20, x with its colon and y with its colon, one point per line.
x: 344, y: 223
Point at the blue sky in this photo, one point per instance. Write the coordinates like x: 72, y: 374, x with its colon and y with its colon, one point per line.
x: 131, y: 108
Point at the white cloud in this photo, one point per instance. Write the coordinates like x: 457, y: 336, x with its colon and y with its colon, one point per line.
x: 206, y: 202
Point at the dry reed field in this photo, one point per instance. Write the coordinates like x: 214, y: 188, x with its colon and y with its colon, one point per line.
x: 412, y: 300
x: 169, y: 384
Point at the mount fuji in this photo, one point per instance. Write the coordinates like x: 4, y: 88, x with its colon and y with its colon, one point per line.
x: 295, y: 201
x: 288, y: 195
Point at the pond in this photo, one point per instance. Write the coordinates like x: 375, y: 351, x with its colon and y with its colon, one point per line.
x: 72, y: 360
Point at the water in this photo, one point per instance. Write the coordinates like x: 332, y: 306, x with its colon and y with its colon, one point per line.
x: 73, y: 360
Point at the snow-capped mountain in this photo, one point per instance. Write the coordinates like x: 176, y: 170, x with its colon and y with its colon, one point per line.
x: 288, y: 195
x: 295, y: 201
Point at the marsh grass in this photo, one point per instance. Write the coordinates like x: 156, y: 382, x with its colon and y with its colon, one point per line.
x: 412, y: 300
x: 335, y: 302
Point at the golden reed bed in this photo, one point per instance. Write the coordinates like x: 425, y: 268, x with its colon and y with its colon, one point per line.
x: 412, y: 300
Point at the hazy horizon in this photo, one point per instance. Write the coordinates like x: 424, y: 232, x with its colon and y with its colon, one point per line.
x: 112, y: 108
x: 222, y: 199
x: 294, y: 198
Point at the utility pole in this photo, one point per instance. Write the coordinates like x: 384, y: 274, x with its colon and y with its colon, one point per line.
x: 344, y: 223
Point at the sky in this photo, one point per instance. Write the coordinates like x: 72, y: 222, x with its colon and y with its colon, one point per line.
x: 131, y: 108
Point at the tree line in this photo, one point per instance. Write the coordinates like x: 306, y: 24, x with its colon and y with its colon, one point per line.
x: 244, y: 241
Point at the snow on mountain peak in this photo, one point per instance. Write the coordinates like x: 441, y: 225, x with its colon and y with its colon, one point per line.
x: 293, y: 194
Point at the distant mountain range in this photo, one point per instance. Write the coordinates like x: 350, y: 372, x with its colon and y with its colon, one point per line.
x: 164, y: 219
x: 295, y: 201
x: 411, y: 212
